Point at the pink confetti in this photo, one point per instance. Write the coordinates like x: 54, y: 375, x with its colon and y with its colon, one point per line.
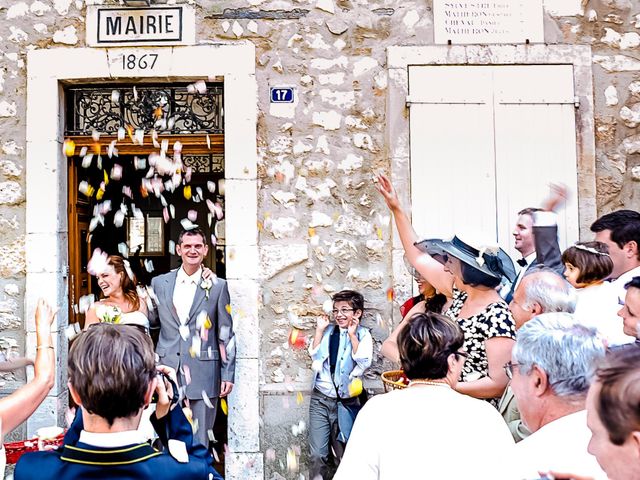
x: 116, y: 172
x: 187, y: 374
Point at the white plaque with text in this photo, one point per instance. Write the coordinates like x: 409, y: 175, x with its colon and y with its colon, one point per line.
x: 167, y: 25
x: 485, y: 22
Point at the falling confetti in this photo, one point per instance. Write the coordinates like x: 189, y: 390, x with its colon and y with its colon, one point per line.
x: 299, y: 398
x: 86, y: 189
x: 355, y: 387
x: 205, y: 399
x: 69, y: 148
x: 390, y: 295
x: 223, y: 406
x: 292, y: 460
x: 187, y: 192
x: 98, y: 262
x: 116, y: 172
x: 270, y: 455
x: 297, y: 339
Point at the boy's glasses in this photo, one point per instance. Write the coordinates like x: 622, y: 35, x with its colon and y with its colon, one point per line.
x: 343, y: 312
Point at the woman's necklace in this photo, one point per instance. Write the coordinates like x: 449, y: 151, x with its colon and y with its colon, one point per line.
x: 434, y: 383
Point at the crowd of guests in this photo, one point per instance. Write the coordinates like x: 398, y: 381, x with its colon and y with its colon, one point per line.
x: 507, y: 374
x: 513, y: 373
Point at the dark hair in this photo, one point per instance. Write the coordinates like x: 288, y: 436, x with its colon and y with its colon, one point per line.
x: 473, y: 277
x: 436, y: 303
x: 624, y: 226
x: 425, y: 343
x: 618, y: 402
x: 127, y: 283
x: 593, y: 266
x: 634, y: 283
x: 355, y: 299
x: 110, y: 367
x: 529, y: 211
x: 192, y: 232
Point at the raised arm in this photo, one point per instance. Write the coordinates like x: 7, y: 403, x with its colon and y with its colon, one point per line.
x: 545, y: 230
x: 432, y: 270
x: 19, y: 406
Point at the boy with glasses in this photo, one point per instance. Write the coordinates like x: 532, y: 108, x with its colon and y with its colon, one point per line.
x: 341, y: 351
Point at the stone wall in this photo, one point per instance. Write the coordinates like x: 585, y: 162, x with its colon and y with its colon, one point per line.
x: 322, y: 226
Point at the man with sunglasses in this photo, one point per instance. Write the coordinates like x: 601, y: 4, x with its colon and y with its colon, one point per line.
x: 550, y: 373
x: 341, y: 351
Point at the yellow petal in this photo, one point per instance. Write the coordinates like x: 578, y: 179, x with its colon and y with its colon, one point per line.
x: 299, y: 398
x: 223, y: 406
x: 355, y: 387
x: 69, y: 148
x: 187, y: 192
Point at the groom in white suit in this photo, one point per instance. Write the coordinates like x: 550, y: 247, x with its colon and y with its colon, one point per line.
x: 196, y: 330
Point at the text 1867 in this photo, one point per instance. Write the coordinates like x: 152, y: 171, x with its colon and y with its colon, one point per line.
x: 134, y: 61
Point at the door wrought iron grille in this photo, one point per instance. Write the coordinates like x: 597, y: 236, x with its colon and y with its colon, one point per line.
x: 175, y: 109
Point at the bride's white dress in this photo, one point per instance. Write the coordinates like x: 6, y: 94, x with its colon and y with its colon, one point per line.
x: 135, y: 318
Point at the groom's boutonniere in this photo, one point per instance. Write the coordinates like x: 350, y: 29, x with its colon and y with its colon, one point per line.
x: 206, y: 284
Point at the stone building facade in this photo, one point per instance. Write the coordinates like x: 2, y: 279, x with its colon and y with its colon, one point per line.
x: 303, y: 217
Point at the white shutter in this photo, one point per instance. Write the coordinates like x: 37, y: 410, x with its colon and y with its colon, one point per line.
x: 485, y: 143
x: 535, y: 144
x: 452, y: 152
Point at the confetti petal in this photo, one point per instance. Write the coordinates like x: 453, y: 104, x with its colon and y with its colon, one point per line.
x: 69, y: 148
x: 223, y: 406
x: 355, y: 387
x: 205, y: 399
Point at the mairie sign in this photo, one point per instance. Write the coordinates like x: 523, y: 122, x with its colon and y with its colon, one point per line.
x: 171, y: 25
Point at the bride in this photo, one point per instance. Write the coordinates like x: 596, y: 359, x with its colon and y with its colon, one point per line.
x: 121, y: 303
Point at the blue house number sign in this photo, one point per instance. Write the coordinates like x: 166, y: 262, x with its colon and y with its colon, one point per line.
x: 282, y: 94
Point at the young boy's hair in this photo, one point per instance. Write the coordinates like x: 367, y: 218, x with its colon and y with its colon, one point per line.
x: 355, y: 299
x: 111, y: 368
x: 591, y: 258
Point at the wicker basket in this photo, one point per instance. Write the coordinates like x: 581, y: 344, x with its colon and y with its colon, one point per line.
x: 391, y: 380
x: 16, y: 449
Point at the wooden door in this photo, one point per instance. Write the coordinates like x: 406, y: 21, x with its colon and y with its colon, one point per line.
x: 79, y: 245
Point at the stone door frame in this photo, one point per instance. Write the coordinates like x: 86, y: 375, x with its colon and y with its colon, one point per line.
x: 399, y: 58
x: 46, y: 208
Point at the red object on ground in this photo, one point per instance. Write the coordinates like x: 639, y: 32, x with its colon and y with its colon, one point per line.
x: 16, y: 449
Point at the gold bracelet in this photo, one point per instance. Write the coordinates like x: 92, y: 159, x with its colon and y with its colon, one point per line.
x: 40, y: 347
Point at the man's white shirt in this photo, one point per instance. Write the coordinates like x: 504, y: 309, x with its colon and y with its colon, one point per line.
x: 560, y: 446
x: 184, y: 291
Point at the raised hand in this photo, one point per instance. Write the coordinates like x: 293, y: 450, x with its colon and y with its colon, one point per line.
x: 559, y: 194
x: 353, y: 326
x: 323, y: 323
x: 384, y: 186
